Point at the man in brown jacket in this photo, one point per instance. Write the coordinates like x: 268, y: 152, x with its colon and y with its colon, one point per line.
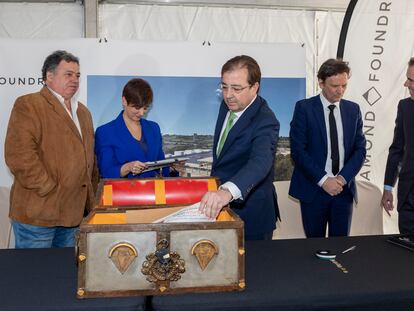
x: 49, y: 150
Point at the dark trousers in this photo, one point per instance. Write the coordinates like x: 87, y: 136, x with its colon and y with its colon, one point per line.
x: 261, y: 236
x: 326, y: 210
x: 406, y: 214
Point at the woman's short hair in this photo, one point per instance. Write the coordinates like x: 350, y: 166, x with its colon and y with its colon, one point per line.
x: 138, y: 93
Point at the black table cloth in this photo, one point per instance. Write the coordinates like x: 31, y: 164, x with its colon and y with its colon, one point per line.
x: 46, y: 279
x: 280, y: 275
x: 286, y: 275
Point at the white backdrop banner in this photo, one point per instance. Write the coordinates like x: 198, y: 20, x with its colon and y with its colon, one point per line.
x: 21, y: 62
x: 378, y: 46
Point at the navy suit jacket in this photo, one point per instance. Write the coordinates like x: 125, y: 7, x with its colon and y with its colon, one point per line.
x: 247, y: 160
x: 401, y: 152
x: 308, y: 144
x: 115, y: 146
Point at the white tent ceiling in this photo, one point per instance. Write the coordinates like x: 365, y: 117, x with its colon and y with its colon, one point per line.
x: 309, y: 22
x: 339, y: 5
x: 292, y: 4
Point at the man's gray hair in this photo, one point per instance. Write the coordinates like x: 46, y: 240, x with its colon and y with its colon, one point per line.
x: 54, y: 59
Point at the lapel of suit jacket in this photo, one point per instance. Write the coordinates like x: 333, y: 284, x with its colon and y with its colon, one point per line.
x: 126, y: 139
x: 346, y: 125
x: 83, y: 123
x: 60, y: 110
x: 149, y: 135
x: 243, y: 122
x: 319, y: 114
x: 219, y: 124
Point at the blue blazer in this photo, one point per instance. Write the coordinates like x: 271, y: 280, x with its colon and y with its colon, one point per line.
x: 115, y: 146
x: 308, y: 145
x: 247, y: 160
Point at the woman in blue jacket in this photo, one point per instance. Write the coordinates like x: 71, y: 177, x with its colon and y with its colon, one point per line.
x: 123, y: 145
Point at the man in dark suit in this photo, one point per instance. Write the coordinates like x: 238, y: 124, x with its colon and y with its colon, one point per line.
x: 400, y: 160
x: 328, y: 148
x: 244, y: 150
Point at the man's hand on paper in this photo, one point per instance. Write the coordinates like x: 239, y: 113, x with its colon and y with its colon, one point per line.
x: 213, y: 201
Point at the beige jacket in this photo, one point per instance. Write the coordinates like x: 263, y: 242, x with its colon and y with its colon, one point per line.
x: 52, y: 165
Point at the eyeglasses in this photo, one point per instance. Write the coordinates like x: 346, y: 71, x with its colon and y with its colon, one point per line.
x: 236, y: 89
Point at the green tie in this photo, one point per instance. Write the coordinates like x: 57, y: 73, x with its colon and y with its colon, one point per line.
x: 226, y: 131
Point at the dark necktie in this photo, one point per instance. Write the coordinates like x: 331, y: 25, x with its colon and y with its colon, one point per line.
x: 334, y: 140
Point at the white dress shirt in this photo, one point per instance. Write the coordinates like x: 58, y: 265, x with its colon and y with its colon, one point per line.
x: 74, y: 106
x: 340, y: 130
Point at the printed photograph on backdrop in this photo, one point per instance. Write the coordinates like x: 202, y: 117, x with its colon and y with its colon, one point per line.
x: 186, y: 109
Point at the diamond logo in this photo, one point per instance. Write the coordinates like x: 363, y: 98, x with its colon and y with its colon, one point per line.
x: 372, y: 96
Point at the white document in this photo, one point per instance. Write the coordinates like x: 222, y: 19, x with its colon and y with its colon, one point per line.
x: 187, y: 214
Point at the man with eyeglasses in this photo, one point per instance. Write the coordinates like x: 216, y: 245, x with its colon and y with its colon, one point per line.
x: 244, y: 151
